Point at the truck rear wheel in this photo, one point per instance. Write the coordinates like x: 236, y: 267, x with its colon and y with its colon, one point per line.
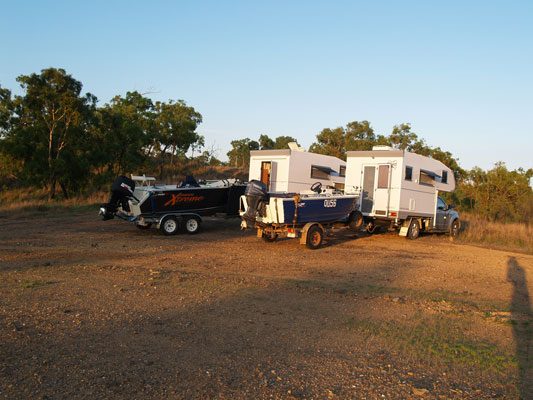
x: 315, y: 235
x: 414, y: 230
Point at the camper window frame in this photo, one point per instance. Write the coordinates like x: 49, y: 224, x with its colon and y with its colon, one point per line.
x: 383, y: 180
x: 410, y: 179
x: 342, y: 171
x: 321, y: 169
x: 428, y: 174
x: 444, y: 177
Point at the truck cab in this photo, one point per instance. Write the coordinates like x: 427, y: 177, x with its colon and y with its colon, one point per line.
x: 447, y: 218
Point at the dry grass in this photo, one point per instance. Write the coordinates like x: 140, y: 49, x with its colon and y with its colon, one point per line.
x: 37, y: 200
x: 508, y: 236
x: 475, y: 230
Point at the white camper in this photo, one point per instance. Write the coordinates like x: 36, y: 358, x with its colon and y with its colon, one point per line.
x: 295, y: 170
x: 401, y: 189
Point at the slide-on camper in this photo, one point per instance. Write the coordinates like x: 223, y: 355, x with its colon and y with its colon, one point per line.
x: 293, y: 170
x: 400, y: 189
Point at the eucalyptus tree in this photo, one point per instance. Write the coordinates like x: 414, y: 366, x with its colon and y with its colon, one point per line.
x: 49, y: 129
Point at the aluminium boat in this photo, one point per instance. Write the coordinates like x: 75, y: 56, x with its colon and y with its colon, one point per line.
x: 172, y: 206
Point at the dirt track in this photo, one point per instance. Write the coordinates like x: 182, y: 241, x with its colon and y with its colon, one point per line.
x: 92, y: 309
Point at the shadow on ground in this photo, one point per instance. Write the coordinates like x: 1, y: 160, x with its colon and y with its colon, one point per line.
x: 522, y: 326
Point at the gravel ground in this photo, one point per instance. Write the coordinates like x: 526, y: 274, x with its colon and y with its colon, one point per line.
x: 92, y: 309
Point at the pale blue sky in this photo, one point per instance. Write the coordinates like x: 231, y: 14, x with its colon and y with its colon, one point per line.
x: 461, y: 72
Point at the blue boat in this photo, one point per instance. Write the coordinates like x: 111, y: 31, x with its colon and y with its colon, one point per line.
x: 297, y: 209
x: 296, y: 214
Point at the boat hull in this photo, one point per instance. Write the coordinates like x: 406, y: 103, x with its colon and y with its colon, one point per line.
x: 202, y: 201
x: 322, y: 209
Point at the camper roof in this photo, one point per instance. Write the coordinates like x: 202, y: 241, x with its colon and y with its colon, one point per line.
x: 376, y: 153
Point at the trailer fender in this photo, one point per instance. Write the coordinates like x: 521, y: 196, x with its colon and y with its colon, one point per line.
x: 303, y: 233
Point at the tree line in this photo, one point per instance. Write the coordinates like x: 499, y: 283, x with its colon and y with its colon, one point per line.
x: 54, y: 136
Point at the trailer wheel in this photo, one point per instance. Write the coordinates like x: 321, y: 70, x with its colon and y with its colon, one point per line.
x: 169, y: 226
x: 372, y: 228
x: 356, y: 220
x: 314, y: 237
x: 414, y: 230
x: 192, y: 225
x: 272, y: 237
x: 454, y: 228
x: 144, y: 227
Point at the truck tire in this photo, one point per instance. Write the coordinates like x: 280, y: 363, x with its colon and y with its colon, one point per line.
x: 315, y: 235
x: 414, y: 230
x: 454, y: 228
x: 192, y: 225
x: 169, y: 226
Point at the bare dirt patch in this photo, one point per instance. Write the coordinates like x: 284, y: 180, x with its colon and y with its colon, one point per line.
x: 92, y: 309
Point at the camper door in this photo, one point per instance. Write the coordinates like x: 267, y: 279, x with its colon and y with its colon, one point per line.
x: 376, y: 189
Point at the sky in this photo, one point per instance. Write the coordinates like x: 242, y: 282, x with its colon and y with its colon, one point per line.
x: 461, y: 72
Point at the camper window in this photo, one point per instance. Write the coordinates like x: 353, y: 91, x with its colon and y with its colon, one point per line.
x: 318, y: 172
x: 408, y: 173
x: 426, y: 178
x: 383, y: 176
x: 444, y: 178
x: 342, y: 170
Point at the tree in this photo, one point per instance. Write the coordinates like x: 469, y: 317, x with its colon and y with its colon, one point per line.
x: 331, y: 142
x: 358, y: 135
x: 239, y: 155
x: 282, y: 142
x: 49, y: 129
x: 265, y: 142
x: 176, y: 125
x: 498, y: 194
x: 402, y: 138
x: 6, y: 110
x: 125, y: 130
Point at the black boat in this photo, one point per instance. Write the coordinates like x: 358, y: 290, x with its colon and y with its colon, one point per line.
x: 170, y: 207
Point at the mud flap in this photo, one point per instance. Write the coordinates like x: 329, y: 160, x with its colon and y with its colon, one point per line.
x: 405, y: 227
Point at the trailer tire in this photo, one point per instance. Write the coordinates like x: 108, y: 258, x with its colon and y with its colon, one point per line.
x: 454, y: 228
x: 169, y: 226
x: 192, y: 225
x: 372, y: 228
x: 270, y: 238
x: 315, y: 235
x: 356, y: 220
x: 414, y: 230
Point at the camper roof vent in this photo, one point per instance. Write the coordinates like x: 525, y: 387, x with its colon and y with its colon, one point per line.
x: 294, y: 146
x: 382, y: 148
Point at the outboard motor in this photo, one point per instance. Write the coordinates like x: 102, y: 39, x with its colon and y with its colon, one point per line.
x: 256, y: 193
x: 121, y: 191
